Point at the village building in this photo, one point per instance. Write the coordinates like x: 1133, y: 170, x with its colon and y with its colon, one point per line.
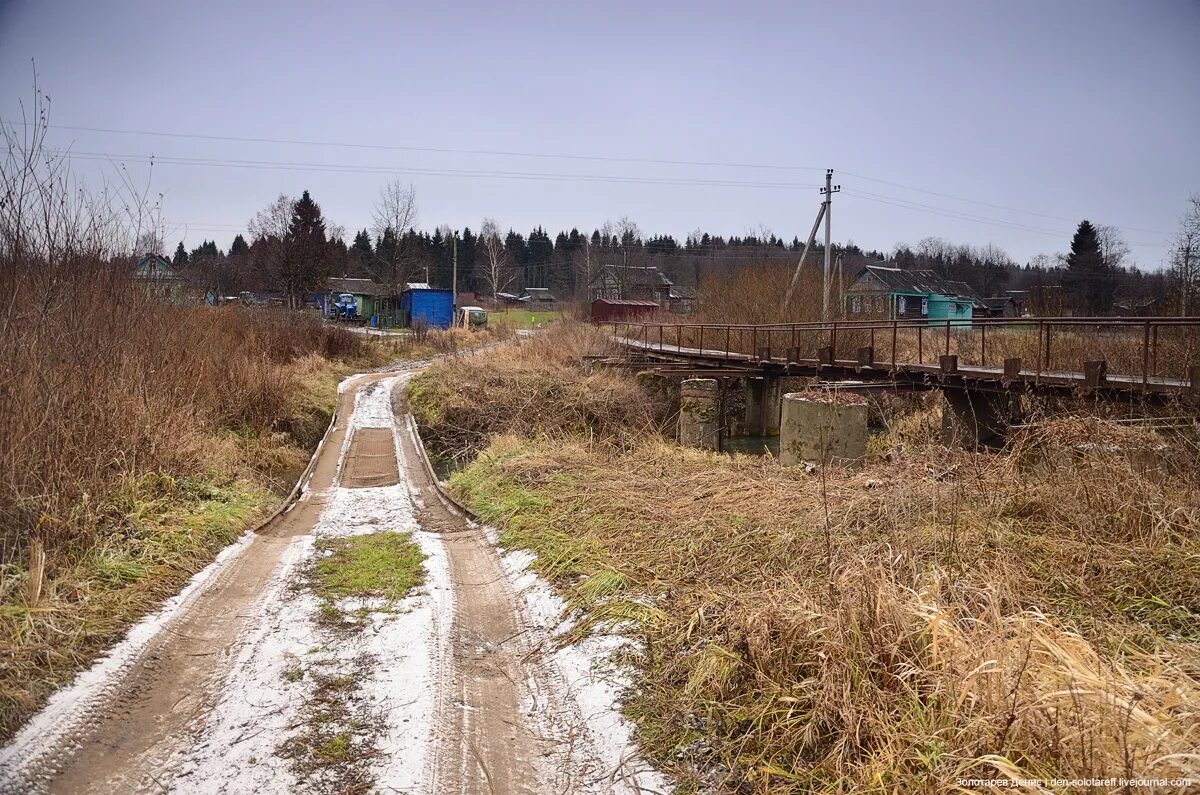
x: 157, y: 276
x: 372, y: 299
x: 884, y: 293
x: 538, y: 298
x: 1000, y: 306
x: 609, y: 310
x: 422, y: 305
x: 641, y: 283
x: 631, y: 282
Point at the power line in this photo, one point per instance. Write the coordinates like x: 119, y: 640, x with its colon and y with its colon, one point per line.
x: 947, y: 212
x: 440, y: 150
x: 986, y: 204
x: 439, y: 172
x: 596, y: 158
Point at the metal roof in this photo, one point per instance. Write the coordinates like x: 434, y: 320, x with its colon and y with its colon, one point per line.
x: 876, y: 278
x: 626, y: 302
x: 355, y: 286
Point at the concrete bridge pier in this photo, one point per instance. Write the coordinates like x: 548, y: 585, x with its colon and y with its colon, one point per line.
x: 823, y: 426
x: 762, y: 414
x: 700, y: 413
x: 973, y: 419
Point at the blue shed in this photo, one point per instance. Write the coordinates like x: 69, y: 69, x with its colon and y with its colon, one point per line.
x: 432, y: 306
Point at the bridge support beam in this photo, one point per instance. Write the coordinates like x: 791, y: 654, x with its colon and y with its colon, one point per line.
x: 761, y: 417
x: 975, y: 420
x: 823, y: 427
x: 699, y: 413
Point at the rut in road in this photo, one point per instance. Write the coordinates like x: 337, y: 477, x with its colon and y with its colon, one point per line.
x: 238, y: 684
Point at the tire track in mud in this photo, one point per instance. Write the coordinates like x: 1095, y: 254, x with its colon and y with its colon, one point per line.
x: 457, y: 688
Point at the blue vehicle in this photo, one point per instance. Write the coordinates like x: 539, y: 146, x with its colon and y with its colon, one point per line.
x: 346, y: 307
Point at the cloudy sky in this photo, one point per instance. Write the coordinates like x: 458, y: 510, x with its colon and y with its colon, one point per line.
x: 979, y: 122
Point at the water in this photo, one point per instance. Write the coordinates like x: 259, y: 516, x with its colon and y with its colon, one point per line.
x: 752, y: 445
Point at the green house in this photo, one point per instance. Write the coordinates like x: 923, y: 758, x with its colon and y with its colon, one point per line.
x: 156, y: 275
x: 373, y: 299
x: 882, y: 293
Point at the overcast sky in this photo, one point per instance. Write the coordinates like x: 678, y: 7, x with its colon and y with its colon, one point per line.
x: 1063, y: 109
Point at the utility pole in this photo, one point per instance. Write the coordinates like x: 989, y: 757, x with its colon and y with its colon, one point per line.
x: 454, y: 277
x: 828, y: 192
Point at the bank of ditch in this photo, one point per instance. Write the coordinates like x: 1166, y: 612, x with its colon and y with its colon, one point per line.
x: 931, y: 618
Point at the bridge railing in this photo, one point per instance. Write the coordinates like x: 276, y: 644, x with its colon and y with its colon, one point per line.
x: 1145, y: 349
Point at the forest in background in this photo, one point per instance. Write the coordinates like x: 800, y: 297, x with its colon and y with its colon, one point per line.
x: 292, y: 248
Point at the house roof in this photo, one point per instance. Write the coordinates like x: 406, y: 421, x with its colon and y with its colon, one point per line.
x: 998, y: 301
x: 964, y: 290
x: 355, y: 286
x: 625, y: 302
x: 877, y: 278
x: 540, y: 293
x: 507, y: 296
x: 157, y: 268
x: 679, y: 291
x: 635, y: 275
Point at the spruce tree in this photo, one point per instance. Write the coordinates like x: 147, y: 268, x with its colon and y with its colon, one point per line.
x: 1090, y: 284
x: 239, y: 247
x: 180, y: 260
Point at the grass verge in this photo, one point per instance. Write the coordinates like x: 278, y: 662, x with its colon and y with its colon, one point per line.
x: 353, y: 577
x: 933, y: 617
x: 928, y: 630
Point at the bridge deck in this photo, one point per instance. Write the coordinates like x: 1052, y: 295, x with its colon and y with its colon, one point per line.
x: 844, y: 369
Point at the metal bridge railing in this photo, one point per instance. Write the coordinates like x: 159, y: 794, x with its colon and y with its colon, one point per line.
x: 1136, y: 349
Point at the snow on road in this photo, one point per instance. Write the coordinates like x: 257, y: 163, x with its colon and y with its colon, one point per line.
x: 404, y: 645
x: 399, y: 659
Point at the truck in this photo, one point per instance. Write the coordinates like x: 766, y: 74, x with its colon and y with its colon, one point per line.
x: 470, y: 317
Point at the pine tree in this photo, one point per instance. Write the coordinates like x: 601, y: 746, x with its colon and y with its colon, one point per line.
x: 1089, y: 282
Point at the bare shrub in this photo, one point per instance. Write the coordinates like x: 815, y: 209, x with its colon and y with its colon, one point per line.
x: 540, y: 384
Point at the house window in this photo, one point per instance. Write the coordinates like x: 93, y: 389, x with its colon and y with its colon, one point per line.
x: 901, y: 305
x: 880, y: 304
x: 924, y: 306
x: 856, y: 305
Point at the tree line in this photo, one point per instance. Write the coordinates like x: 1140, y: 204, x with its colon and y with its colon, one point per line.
x: 293, y: 250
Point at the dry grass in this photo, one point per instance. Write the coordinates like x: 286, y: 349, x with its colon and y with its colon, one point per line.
x: 537, y: 386
x: 428, y: 343
x: 136, y: 439
x: 933, y: 617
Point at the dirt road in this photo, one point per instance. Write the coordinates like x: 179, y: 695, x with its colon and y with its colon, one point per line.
x: 250, y: 681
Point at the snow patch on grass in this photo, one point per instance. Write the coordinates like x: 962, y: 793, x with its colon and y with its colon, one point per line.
x: 587, y: 686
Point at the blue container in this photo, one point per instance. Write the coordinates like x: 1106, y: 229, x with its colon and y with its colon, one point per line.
x: 433, y: 307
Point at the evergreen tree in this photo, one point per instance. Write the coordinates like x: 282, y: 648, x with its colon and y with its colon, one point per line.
x: 518, y: 255
x: 180, y: 260
x: 541, y: 250
x: 466, y: 261
x: 1090, y: 283
x: 239, y: 247
x: 361, y: 253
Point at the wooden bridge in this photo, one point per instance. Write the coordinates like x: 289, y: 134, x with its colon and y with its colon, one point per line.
x: 1149, y: 358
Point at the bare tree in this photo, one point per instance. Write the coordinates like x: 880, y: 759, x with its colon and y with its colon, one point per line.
x: 394, y: 216
x: 47, y: 215
x: 497, y: 266
x: 1113, y: 249
x: 149, y: 243
x: 1184, y: 269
